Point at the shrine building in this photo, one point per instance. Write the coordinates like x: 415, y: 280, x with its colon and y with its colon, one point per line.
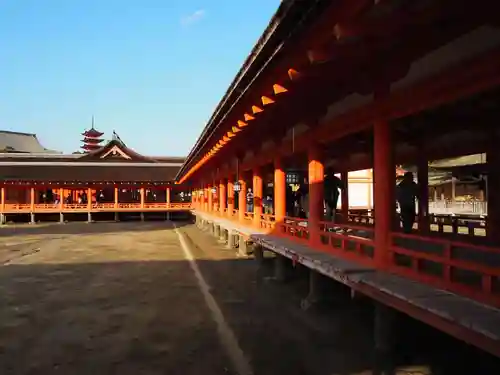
x: 108, y: 181
x: 342, y: 87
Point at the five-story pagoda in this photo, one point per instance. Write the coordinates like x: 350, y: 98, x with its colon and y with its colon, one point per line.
x: 92, y: 139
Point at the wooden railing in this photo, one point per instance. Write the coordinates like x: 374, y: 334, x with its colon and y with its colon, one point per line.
x: 48, y: 207
x: 463, y: 225
x: 464, y: 268
x: 74, y: 207
x: 84, y: 207
x: 17, y: 207
x: 102, y: 206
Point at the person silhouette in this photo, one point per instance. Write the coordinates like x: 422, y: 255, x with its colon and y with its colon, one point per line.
x: 333, y: 187
x: 407, y: 193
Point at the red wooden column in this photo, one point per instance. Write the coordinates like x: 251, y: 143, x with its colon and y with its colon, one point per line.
x: 2, y: 203
x: 196, y: 194
x: 32, y: 199
x: 230, y: 197
x: 279, y: 191
x: 222, y: 196
x: 143, y: 196
x: 423, y: 194
x: 61, y: 199
x: 167, y: 196
x: 316, y: 193
x: 203, y: 198
x: 384, y: 189
x: 116, y: 196
x: 257, y: 196
x: 344, y: 177
x: 210, y: 198
x: 242, y: 198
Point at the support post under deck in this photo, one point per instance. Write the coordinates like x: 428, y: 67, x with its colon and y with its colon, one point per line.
x: 231, y: 240
x: 280, y: 268
x: 385, y: 319
x: 315, y: 290
x: 242, y: 246
x: 258, y: 253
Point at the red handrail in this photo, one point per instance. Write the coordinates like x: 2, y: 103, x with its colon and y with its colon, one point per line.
x: 474, y: 273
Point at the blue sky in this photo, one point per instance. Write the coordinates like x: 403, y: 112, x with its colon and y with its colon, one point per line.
x: 153, y: 70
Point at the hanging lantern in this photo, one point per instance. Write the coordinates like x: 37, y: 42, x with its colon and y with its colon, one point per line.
x: 214, y: 190
x: 237, y: 186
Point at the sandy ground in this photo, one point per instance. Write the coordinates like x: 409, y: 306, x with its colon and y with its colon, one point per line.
x: 121, y: 298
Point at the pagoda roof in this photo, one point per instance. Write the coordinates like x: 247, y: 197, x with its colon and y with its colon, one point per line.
x: 17, y: 142
x: 92, y: 132
x: 92, y: 140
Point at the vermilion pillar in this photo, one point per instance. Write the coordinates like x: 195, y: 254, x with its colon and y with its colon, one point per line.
x: 257, y: 196
x: 205, y: 198
x: 116, y: 196
x: 32, y: 199
x: 167, y: 196
x: 279, y: 191
x: 230, y: 197
x: 384, y: 188
x: 423, y: 194
x: 210, y: 198
x: 242, y: 199
x: 143, y: 196
x: 2, y: 204
x: 61, y: 199
x: 344, y: 177
x: 316, y: 193
x: 222, y: 196
x: 89, y: 200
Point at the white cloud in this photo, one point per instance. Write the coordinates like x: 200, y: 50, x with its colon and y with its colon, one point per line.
x: 193, y: 17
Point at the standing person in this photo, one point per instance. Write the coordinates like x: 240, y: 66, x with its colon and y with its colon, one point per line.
x: 249, y: 200
x: 303, y: 195
x: 333, y: 187
x: 407, y: 191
